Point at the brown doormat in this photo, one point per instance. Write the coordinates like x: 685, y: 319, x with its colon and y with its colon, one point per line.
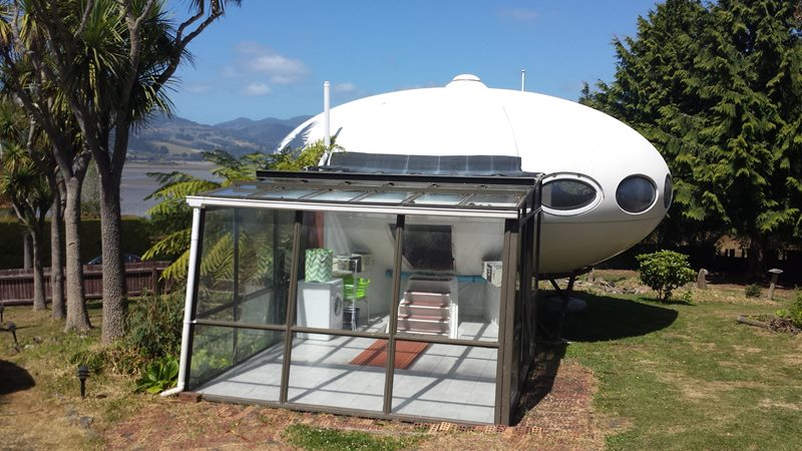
x: 376, y: 354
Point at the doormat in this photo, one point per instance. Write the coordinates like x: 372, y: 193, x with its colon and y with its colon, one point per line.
x: 376, y: 354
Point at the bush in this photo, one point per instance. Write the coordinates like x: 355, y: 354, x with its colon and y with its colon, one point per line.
x: 752, y: 291
x: 159, y: 375
x: 154, y: 333
x: 663, y: 271
x: 794, y: 311
x: 154, y: 325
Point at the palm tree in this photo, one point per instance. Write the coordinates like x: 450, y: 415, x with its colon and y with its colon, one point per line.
x: 30, y: 84
x: 24, y: 184
x: 111, y: 61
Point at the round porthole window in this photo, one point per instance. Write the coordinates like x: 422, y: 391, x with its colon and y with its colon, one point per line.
x: 635, y: 194
x: 668, y: 192
x: 567, y: 194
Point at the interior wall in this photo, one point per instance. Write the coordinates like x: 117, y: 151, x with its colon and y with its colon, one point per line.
x: 473, y: 241
x: 348, y: 233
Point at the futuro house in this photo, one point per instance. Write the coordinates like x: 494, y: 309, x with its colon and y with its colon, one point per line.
x: 399, y: 278
x: 605, y: 187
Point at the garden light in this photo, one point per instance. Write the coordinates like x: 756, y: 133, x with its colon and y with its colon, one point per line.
x: 13, y: 329
x: 83, y: 374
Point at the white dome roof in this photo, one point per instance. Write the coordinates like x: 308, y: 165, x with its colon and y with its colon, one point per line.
x: 467, y: 118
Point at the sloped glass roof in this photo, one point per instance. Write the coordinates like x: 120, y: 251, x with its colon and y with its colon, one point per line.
x: 403, y: 194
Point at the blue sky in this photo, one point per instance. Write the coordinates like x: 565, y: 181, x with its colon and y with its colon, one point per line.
x: 270, y: 58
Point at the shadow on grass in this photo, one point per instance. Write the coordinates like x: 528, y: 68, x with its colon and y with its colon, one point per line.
x: 605, y: 318
x: 14, y: 378
x: 609, y: 318
x: 541, y: 378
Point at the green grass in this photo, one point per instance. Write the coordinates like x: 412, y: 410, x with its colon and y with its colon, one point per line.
x: 688, y: 377
x: 312, y: 438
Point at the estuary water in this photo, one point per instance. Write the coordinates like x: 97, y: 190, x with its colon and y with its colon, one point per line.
x: 136, y: 185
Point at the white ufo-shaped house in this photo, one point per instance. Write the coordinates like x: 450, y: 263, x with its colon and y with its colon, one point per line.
x: 606, y: 187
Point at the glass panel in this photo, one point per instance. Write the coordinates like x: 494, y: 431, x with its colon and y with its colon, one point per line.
x: 238, y: 191
x: 337, y: 196
x: 327, y: 370
x: 390, y: 197
x: 439, y: 199
x: 567, y: 194
x: 345, y: 275
x: 635, y: 194
x: 216, y: 278
x: 445, y: 381
x: 284, y: 193
x: 494, y: 200
x: 668, y: 192
x: 240, y: 363
x: 451, y: 277
x: 246, y: 252
x: 264, y: 264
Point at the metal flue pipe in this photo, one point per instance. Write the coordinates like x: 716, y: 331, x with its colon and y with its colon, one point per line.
x: 191, y: 281
x: 326, y: 114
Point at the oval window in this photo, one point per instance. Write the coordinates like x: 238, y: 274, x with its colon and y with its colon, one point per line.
x: 668, y: 192
x: 635, y: 194
x: 567, y: 194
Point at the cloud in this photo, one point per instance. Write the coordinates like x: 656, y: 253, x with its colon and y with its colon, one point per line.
x: 519, y: 14
x: 256, y: 89
x: 278, y: 69
x: 344, y: 88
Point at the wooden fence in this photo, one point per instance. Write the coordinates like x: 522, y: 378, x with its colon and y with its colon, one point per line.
x: 16, y: 285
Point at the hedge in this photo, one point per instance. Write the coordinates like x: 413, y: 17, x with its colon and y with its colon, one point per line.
x: 137, y: 236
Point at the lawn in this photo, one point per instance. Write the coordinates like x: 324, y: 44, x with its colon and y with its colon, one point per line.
x: 635, y: 375
x: 687, y: 376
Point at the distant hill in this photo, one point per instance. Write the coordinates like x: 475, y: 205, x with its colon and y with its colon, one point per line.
x: 176, y: 138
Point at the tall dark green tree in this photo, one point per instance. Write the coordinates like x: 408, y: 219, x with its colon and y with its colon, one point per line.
x: 717, y: 87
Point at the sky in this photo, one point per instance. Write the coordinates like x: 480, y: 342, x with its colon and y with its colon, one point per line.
x: 269, y: 58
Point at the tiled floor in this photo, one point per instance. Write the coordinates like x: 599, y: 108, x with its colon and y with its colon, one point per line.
x: 445, y: 381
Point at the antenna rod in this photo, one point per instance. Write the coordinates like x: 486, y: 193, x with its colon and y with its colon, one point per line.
x: 523, y: 80
x: 326, y: 114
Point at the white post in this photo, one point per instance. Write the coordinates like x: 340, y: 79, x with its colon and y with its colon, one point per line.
x: 326, y: 114
x: 523, y: 80
x: 191, y: 282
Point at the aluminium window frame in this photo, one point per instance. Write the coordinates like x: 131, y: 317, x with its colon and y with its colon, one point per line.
x: 527, y: 211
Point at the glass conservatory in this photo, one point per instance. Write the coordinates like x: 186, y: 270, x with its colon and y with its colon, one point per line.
x: 390, y: 296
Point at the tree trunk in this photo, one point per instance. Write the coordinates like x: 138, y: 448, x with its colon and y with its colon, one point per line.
x: 756, y: 258
x: 77, y: 316
x: 113, y: 268
x: 39, y: 299
x: 57, y: 257
x: 26, y: 250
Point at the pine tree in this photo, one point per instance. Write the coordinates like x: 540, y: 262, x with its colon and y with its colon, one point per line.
x: 718, y: 89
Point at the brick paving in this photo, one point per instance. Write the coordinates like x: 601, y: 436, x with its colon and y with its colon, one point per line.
x: 556, y: 413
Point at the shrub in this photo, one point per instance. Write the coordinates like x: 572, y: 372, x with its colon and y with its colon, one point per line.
x: 752, y: 291
x: 159, y: 375
x: 794, y: 311
x: 154, y: 325
x: 663, y: 271
x: 154, y: 332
